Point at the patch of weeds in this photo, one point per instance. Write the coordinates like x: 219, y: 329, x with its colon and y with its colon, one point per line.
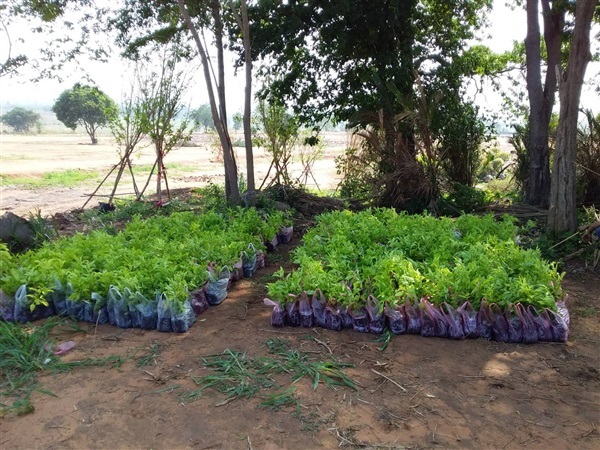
x: 25, y: 351
x: 43, y: 229
x: 276, y: 401
x: 65, y: 178
x: 384, y: 338
x: 149, y: 358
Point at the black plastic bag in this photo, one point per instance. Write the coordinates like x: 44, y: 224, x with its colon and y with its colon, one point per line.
x: 396, y: 319
x: 249, y: 261
x: 22, y: 312
x: 132, y: 300
x: 376, y: 317
x: 285, y: 235
x: 163, y: 310
x: 99, y: 311
x: 360, y: 319
x: 278, y: 314
x: 468, y: 317
x: 182, y: 316
x: 318, y: 303
x: 499, y: 324
x: 306, y: 311
x: 413, y: 318
x: 453, y: 320
x: 88, y: 311
x: 198, y: 300
x: 292, y: 311
x: 76, y: 309
x: 7, y: 307
x: 529, y: 331
x: 116, y: 303
x: 485, y: 320
x: 333, y: 319
x: 216, y: 288
x: 515, y: 325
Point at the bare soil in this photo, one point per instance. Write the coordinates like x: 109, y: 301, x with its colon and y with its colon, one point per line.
x: 417, y: 393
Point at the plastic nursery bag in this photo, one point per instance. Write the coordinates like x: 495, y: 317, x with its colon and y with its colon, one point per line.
x: 318, y: 303
x: 59, y: 297
x: 413, y: 318
x: 272, y: 244
x: 515, y: 325
x: 198, y: 300
x: 468, y: 317
x: 42, y: 311
x: 143, y: 311
x: 376, y: 317
x: 306, y: 311
x: 7, y: 307
x: 333, y: 318
x: 529, y: 330
x: 542, y: 323
x: 453, y: 320
x: 260, y: 260
x: 346, y: 318
x: 396, y: 318
x: 182, y: 316
x: 499, y: 325
x: 76, y: 308
x: 292, y: 311
x: 485, y: 319
x: 360, y: 319
x: 99, y: 311
x: 118, y: 309
x: 22, y: 312
x: 278, y: 314
x: 237, y: 272
x: 285, y: 235
x: 216, y: 288
x: 433, y: 322
x: 163, y: 310
x: 559, y: 324
x: 249, y: 261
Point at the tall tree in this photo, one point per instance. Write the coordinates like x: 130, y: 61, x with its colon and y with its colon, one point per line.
x: 541, y: 94
x: 84, y: 105
x: 563, y: 213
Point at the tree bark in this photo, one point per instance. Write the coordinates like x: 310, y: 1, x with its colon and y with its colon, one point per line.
x: 563, y: 208
x: 218, y: 112
x: 541, y: 96
x: 244, y: 25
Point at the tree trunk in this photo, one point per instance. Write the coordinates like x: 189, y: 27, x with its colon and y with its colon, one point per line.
x: 563, y: 208
x: 218, y: 112
x: 244, y: 25
x: 541, y: 97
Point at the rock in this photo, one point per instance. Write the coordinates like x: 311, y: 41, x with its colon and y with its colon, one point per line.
x: 16, y: 232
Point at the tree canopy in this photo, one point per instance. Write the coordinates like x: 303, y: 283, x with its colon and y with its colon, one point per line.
x: 84, y: 105
x: 22, y: 120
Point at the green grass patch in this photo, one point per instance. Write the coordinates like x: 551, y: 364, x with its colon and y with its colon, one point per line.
x: 65, y: 178
x: 25, y: 352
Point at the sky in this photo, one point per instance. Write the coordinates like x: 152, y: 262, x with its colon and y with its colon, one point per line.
x: 506, y: 26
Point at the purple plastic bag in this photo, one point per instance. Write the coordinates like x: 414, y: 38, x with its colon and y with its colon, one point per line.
x: 453, y: 320
x: 413, y: 318
x: 292, y: 312
x: 542, y: 324
x: 360, y: 319
x: 333, y: 319
x: 559, y: 326
x: 272, y: 244
x: 237, y: 272
x: 433, y: 322
x: 260, y: 259
x: 469, y: 320
x: 285, y: 235
x: 376, y: 318
x: 198, y: 300
x: 278, y: 314
x: 346, y: 318
x: 499, y: 324
x: 485, y: 319
x: 396, y: 318
x: 529, y: 330
x: 515, y: 325
x: 318, y: 303
x: 306, y: 312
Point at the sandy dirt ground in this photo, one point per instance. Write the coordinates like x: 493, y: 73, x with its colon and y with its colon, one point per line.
x: 418, y: 393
